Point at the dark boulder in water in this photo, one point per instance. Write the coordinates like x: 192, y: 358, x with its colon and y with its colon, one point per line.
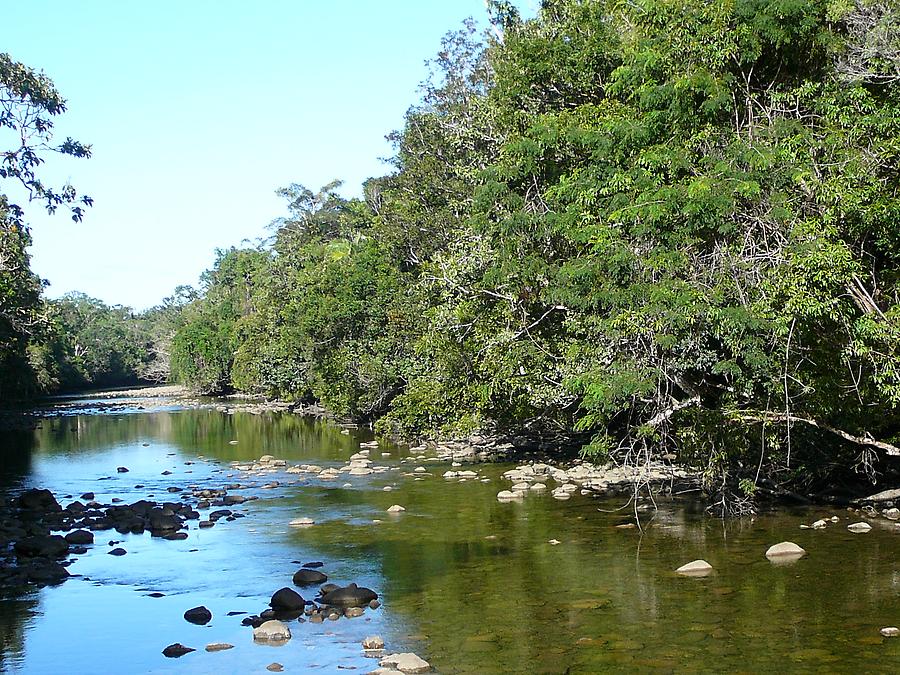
x: 80, y: 537
x: 43, y: 546
x: 308, y: 577
x: 38, y: 500
x: 46, y: 572
x: 176, y: 650
x: 349, y: 596
x: 327, y: 588
x: 287, y: 599
x: 198, y: 615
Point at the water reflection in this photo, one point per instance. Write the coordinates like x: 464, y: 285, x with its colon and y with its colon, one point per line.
x: 471, y: 584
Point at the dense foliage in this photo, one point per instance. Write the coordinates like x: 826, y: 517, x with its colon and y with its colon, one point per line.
x: 670, y: 225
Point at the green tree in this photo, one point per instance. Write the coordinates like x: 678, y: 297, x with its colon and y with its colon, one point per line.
x: 28, y: 104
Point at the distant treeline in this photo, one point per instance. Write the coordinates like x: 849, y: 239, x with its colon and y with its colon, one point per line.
x: 77, y: 343
x: 671, y: 225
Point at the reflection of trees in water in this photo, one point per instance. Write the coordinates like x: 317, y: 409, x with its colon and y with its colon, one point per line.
x: 204, y: 431
x: 14, y: 615
x: 15, y: 456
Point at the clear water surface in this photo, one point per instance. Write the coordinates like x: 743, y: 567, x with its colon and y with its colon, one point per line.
x: 468, y: 583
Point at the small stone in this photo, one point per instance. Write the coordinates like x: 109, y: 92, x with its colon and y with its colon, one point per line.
x: 554, y: 542
x: 373, y: 642
x: 218, y: 646
x: 696, y: 568
x: 396, y: 508
x: 819, y: 525
x: 275, y: 667
x: 122, y: 469
x: 176, y: 650
x: 353, y: 612
x: 786, y: 549
x: 890, y: 631
x: 302, y: 522
x: 859, y: 527
x: 892, y: 513
x: 272, y: 631
x: 117, y: 551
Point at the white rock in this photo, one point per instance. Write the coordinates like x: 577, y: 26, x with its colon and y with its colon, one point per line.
x: 786, y: 549
x: 396, y: 508
x: 819, y: 525
x: 506, y: 495
x: 302, y: 522
x: 696, y: 568
x: 537, y: 487
x: 272, y: 631
x: 373, y: 642
x: 893, y: 514
x: 406, y: 663
x: 554, y: 542
x: 450, y: 474
x: 890, y: 631
x: 520, y: 487
x: 265, y: 459
x: 420, y: 469
x: 361, y: 471
x: 859, y: 528
x: 387, y: 488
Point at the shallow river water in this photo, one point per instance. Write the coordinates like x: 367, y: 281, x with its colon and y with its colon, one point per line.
x: 468, y: 583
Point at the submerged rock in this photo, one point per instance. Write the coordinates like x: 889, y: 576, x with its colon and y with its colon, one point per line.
x: 396, y: 508
x: 859, y: 528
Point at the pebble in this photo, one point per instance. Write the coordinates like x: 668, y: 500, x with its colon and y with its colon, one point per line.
x: 859, y: 528
x: 890, y: 631
x: 396, y: 508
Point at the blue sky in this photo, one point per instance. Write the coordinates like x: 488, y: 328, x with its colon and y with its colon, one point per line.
x: 198, y: 110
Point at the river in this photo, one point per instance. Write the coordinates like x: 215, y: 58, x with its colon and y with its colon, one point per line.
x: 471, y: 584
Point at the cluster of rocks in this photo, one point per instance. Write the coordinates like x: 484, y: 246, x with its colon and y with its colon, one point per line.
x: 891, y: 514
x: 33, y: 549
x: 270, y: 626
x: 532, y: 478
x: 331, y: 603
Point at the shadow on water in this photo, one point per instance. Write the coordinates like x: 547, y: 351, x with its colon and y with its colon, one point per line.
x: 16, y: 448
